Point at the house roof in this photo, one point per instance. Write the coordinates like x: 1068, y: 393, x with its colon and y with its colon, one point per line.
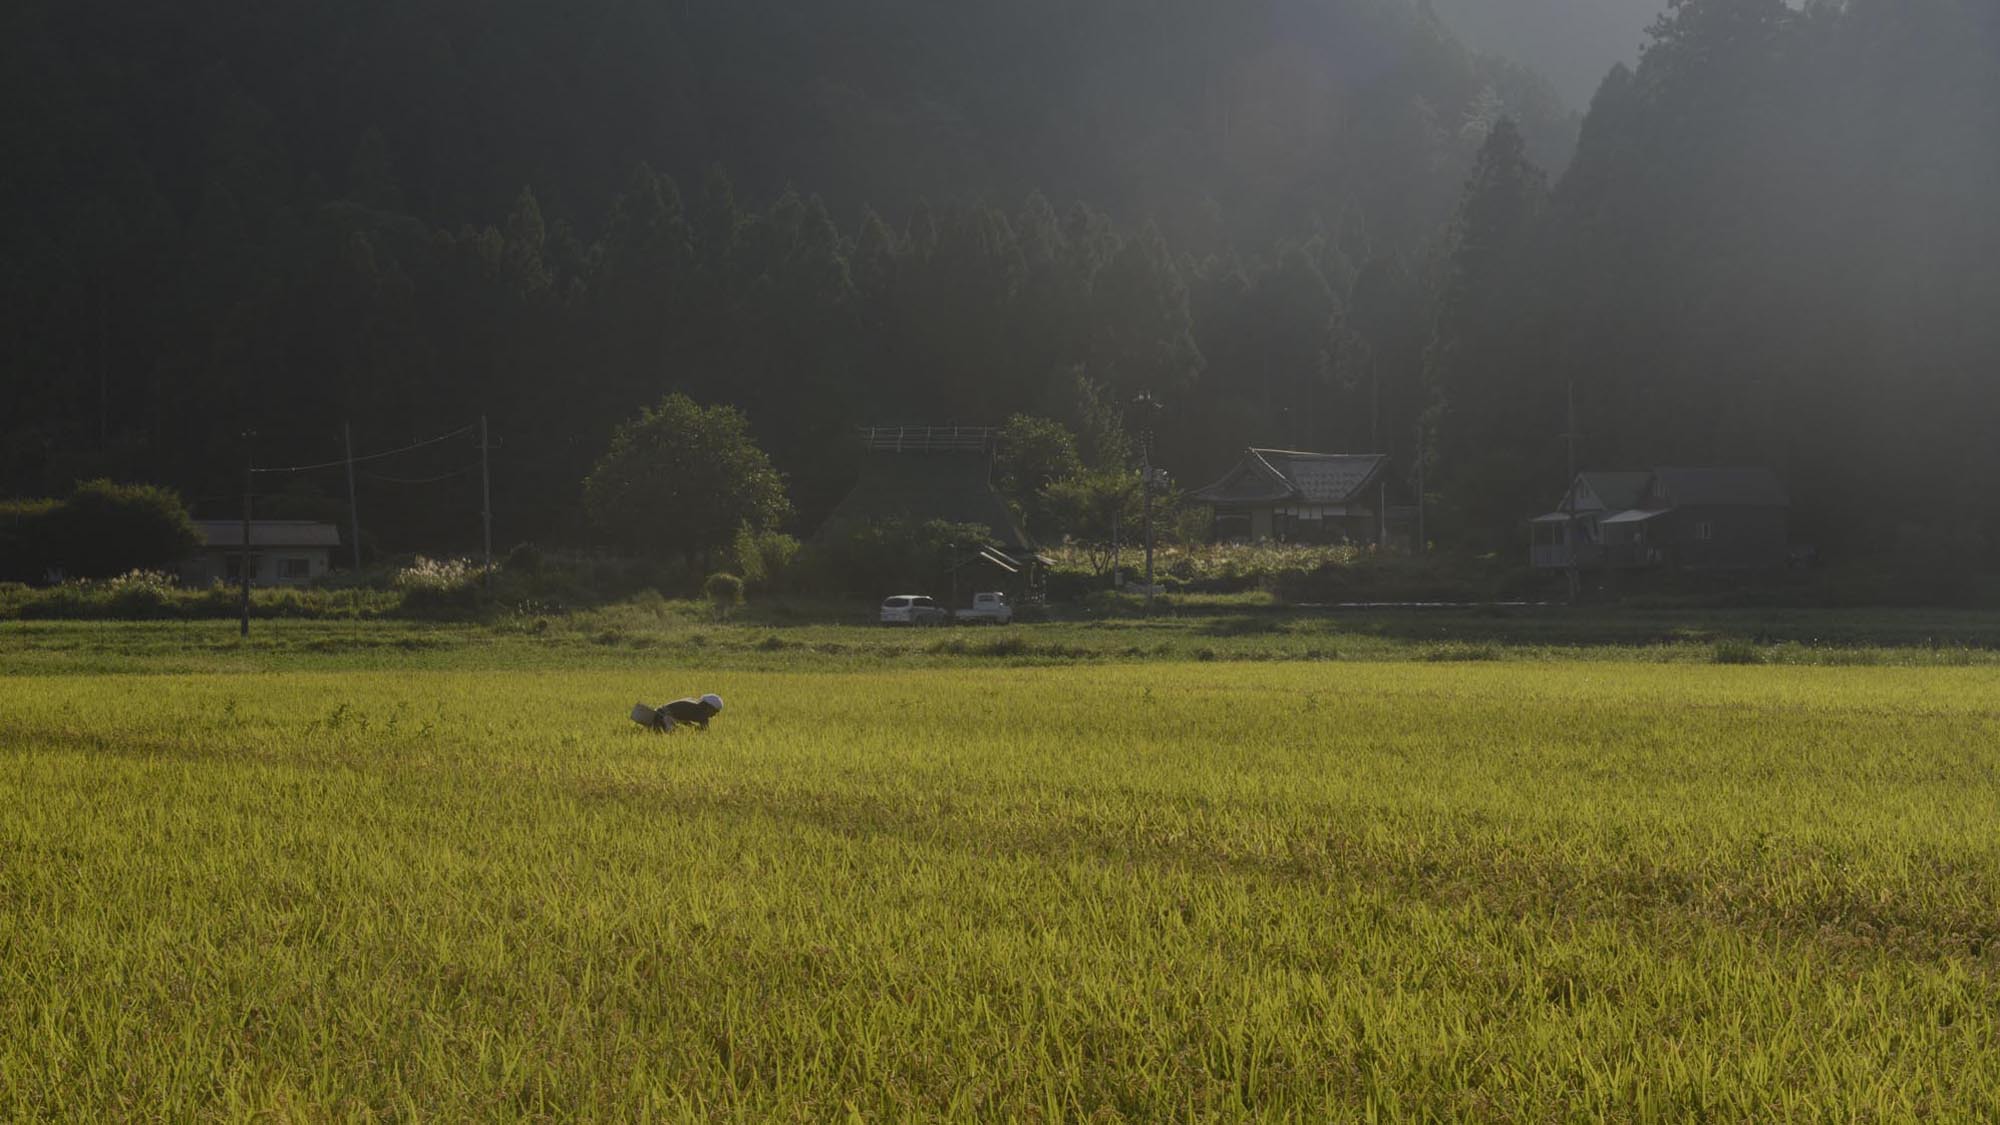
x: 1269, y: 475
x: 268, y: 533
x: 1614, y: 491
x: 1636, y: 515
x: 1718, y: 488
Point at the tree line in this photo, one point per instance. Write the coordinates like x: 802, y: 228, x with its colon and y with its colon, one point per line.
x: 1774, y: 246
x: 279, y: 218
x: 1310, y: 223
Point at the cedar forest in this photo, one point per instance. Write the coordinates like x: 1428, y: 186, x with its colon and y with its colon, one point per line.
x: 1319, y: 224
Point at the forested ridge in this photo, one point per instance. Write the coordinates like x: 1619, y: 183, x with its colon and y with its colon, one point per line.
x: 1776, y: 245
x: 286, y: 216
x: 1318, y: 223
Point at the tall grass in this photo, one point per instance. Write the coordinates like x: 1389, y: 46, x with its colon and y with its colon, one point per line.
x: 1466, y: 891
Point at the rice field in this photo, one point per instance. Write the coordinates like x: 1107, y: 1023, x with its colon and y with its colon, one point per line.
x: 1396, y: 890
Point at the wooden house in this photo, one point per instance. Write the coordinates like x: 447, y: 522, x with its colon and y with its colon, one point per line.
x: 1681, y: 518
x: 1293, y: 497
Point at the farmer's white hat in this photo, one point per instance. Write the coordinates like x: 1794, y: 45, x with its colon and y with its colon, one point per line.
x: 714, y: 701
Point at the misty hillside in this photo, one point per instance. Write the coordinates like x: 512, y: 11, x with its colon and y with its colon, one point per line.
x: 1264, y: 113
x: 1776, y: 245
x: 1319, y: 224
x: 1572, y: 42
x: 298, y: 198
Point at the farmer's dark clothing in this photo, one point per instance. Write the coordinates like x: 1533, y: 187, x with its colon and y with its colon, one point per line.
x: 689, y: 711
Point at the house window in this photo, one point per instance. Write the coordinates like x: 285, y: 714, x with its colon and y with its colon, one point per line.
x: 232, y: 565
x: 294, y: 568
x: 1704, y: 531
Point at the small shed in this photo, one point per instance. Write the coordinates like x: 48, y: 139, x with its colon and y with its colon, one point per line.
x: 1296, y: 497
x: 281, y: 552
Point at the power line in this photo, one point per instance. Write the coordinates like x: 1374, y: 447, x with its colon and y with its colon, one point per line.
x: 460, y: 432
x: 420, y: 480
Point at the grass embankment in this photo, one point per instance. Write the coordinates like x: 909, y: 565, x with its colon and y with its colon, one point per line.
x: 779, y: 636
x: 921, y: 886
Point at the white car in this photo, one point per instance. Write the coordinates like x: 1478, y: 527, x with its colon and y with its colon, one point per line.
x: 913, y: 609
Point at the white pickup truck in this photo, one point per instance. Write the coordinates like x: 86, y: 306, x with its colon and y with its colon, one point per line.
x: 990, y: 608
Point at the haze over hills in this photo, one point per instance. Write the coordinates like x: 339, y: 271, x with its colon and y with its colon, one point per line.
x: 1573, y: 43
x: 1318, y: 224
x: 344, y: 208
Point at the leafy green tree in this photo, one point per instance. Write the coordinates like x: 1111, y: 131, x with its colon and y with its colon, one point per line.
x: 682, y: 479
x: 104, y: 529
x: 1096, y: 509
x: 1033, y: 454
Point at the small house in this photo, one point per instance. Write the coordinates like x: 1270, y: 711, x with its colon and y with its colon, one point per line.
x: 1591, y: 498
x: 281, y: 552
x: 1686, y: 519
x: 1294, y: 497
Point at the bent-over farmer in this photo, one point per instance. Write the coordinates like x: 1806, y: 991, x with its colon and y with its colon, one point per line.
x: 695, y: 711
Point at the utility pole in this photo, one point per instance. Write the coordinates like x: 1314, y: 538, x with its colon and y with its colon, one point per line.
x: 1423, y: 540
x: 1569, y: 523
x: 485, y: 504
x: 1147, y: 478
x: 243, y: 561
x: 353, y: 506
x: 1117, y: 579
x: 1146, y: 484
x: 1382, y: 511
x: 103, y: 369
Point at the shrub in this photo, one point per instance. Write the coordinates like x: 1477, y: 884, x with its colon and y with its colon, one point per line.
x: 437, y: 587
x: 139, y: 594
x: 724, y: 592
x: 764, y: 558
x: 100, y: 531
x: 1737, y: 652
x: 25, y: 539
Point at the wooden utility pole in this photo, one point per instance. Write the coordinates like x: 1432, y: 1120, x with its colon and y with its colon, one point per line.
x: 1117, y: 517
x: 103, y: 369
x: 243, y: 561
x: 1153, y: 408
x: 1423, y: 541
x: 1146, y: 485
x: 485, y: 503
x: 353, y: 505
x: 1569, y: 524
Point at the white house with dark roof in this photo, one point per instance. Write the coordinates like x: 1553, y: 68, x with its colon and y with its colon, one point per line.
x: 1294, y: 497
x: 282, y: 552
